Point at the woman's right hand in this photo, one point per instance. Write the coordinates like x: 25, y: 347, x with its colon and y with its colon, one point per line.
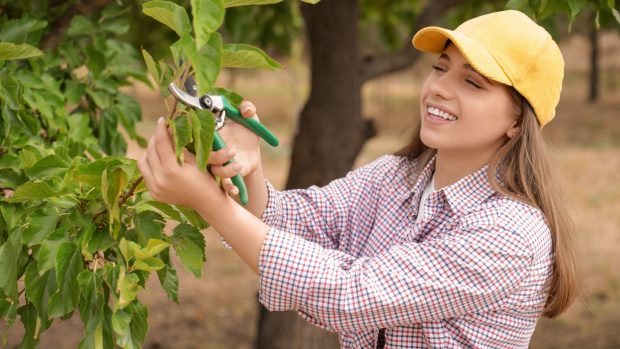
x: 242, y: 145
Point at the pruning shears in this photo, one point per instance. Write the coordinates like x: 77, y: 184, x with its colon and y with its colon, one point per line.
x: 221, y: 109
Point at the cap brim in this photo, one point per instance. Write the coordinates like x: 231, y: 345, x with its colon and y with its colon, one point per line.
x: 433, y: 40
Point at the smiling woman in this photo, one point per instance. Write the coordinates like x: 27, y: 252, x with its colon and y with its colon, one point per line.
x: 460, y: 239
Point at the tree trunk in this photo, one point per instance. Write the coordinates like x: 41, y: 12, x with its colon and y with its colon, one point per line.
x: 332, y: 115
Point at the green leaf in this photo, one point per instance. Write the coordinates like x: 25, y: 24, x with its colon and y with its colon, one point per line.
x: 203, y: 128
x: 40, y: 224
x: 9, y: 92
x: 46, y: 257
x: 131, y: 326
x: 153, y: 247
x: 8, y: 311
x: 149, y: 225
x: 206, y: 62
x: 207, y: 17
x: 193, y: 217
x: 79, y: 129
x: 74, y: 91
x: 128, y: 249
x: 101, y: 98
x: 168, y: 13
x: 148, y: 264
x: 9, y: 260
x: 28, y: 315
x: 40, y: 288
x: 168, y: 277
x: 247, y: 56
x: 34, y: 190
x: 234, y: 98
x: 11, y: 161
x: 113, y: 183
x: 233, y: 3
x: 91, y: 173
x: 20, y: 30
x: 127, y: 287
x: 189, y: 245
x: 92, y: 311
x: 9, y: 51
x: 166, y: 209
x: 182, y: 135
x: 150, y: 65
x: 68, y: 266
x: 49, y: 166
x: 12, y: 214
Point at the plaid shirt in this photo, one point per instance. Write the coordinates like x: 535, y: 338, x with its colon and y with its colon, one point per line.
x: 350, y: 257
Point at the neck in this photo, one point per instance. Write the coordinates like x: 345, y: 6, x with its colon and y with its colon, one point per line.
x: 451, y: 166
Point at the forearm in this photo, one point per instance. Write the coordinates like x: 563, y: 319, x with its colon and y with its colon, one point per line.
x: 243, y: 231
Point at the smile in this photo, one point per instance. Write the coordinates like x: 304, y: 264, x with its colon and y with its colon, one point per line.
x: 440, y: 113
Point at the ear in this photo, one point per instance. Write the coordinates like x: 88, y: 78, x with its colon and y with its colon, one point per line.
x: 513, y: 130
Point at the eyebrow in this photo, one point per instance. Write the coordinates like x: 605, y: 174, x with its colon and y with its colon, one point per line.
x: 466, y: 66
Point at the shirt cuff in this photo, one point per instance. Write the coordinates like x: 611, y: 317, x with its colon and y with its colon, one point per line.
x: 272, y: 215
x: 287, y: 266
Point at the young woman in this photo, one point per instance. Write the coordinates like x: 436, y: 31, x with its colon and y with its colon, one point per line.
x: 459, y: 240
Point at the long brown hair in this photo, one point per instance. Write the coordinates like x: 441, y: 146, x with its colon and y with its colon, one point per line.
x: 528, y: 176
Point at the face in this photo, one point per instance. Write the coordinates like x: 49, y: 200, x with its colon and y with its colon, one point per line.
x: 462, y: 111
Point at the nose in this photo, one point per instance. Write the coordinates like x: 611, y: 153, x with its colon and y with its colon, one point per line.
x: 441, y: 86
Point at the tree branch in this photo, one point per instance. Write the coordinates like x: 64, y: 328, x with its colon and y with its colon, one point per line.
x: 52, y: 39
x: 378, y: 65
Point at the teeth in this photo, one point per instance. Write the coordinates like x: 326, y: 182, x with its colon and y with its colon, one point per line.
x: 440, y: 113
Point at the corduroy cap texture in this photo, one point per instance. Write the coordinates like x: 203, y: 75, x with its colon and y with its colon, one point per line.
x: 508, y: 47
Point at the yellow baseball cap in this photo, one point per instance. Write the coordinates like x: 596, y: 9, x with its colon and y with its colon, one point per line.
x: 510, y: 48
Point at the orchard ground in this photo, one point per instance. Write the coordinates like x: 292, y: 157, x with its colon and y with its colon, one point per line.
x: 220, y: 310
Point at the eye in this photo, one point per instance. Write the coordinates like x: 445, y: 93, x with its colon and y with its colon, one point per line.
x: 438, y: 68
x: 473, y: 83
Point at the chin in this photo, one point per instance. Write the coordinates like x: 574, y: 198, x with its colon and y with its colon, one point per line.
x: 429, y: 140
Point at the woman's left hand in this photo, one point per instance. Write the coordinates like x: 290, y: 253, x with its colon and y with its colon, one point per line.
x: 173, y: 184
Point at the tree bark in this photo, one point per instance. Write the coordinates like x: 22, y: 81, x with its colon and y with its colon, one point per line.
x: 332, y: 113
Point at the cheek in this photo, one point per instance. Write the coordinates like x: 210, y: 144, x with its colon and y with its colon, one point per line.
x: 488, y: 117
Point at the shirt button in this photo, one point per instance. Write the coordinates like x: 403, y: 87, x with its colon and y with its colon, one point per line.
x: 345, y: 266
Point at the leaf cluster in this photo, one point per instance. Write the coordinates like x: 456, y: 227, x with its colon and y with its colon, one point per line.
x: 78, y: 230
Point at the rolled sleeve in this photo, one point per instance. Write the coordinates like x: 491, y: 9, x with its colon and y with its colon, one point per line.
x: 408, y: 284
x: 272, y: 215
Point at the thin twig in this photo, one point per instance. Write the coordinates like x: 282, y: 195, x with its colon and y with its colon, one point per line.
x: 130, y: 192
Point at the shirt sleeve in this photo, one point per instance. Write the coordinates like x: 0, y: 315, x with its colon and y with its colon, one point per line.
x: 322, y: 214
x: 407, y: 284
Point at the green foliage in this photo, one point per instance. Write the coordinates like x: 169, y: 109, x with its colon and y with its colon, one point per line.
x: 78, y: 230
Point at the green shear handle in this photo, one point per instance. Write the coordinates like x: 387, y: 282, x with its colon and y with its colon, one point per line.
x: 252, y: 124
x: 221, y: 108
